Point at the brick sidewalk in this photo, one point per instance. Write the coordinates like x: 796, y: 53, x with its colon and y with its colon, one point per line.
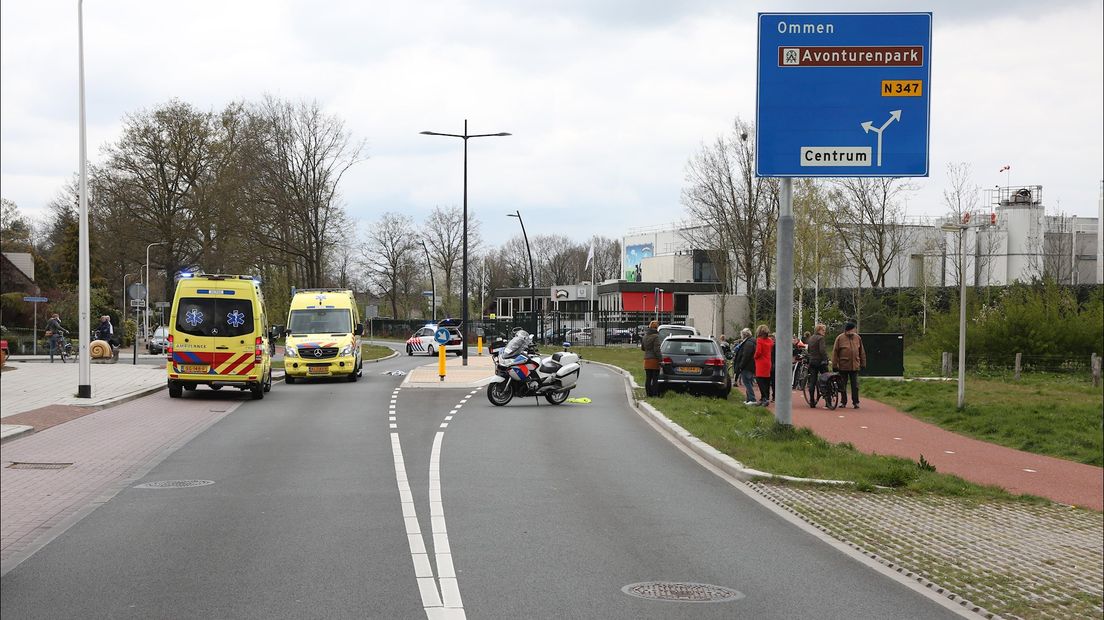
x: 107, y: 450
x: 31, y: 385
x: 480, y: 368
x: 881, y: 429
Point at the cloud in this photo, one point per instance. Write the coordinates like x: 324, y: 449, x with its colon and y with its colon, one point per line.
x: 606, y: 100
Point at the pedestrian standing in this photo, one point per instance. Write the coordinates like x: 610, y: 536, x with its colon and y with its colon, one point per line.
x: 818, y: 358
x: 743, y: 365
x: 764, y: 349
x: 772, y: 386
x: 105, y: 331
x: 650, y: 345
x: 848, y: 358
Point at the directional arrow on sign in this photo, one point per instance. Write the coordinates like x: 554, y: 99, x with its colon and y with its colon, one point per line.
x: 868, y: 126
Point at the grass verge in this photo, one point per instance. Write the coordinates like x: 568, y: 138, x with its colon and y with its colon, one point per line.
x: 751, y: 436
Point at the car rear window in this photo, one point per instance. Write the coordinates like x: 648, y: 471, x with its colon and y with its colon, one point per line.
x: 675, y: 331
x: 689, y: 347
x: 211, y: 316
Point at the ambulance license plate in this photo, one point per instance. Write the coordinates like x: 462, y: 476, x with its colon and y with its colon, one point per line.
x: 318, y: 370
x: 194, y: 369
x: 688, y: 370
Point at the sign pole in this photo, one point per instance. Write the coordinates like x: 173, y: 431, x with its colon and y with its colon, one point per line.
x: 783, y: 311
x: 137, y: 309
x: 34, y: 342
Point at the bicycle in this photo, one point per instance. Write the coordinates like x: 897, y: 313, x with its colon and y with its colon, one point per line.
x: 800, y: 370
x: 832, y: 389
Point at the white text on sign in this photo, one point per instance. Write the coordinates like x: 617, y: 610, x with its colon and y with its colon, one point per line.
x: 835, y: 156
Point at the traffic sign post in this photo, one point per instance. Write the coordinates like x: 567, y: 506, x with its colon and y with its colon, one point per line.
x: 838, y: 95
x: 843, y: 94
x: 35, y: 301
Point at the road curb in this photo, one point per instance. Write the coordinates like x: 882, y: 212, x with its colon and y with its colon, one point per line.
x: 729, y: 466
x: 722, y: 461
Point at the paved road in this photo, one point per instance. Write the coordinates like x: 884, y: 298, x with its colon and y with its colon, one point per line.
x: 319, y: 508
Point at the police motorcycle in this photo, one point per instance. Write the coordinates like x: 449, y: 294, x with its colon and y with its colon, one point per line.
x: 519, y: 371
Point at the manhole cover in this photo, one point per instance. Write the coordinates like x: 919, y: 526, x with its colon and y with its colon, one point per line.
x: 18, y: 465
x: 681, y: 592
x: 174, y: 484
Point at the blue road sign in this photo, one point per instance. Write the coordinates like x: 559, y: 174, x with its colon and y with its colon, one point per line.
x: 37, y: 300
x: 843, y: 94
x: 442, y: 335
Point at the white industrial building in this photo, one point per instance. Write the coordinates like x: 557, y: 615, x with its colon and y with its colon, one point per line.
x: 1013, y: 240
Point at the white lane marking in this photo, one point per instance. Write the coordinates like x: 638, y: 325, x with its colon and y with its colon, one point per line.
x: 897, y: 439
x: 448, y: 418
x: 393, y: 425
x: 864, y: 427
x: 454, y: 411
x: 450, y: 590
x: 948, y: 452
x: 423, y: 571
x: 1030, y: 471
x: 444, y: 425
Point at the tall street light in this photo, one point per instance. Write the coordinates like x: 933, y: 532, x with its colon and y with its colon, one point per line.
x: 532, y: 274
x: 432, y: 285
x: 961, y: 230
x: 145, y: 311
x: 84, y: 380
x: 464, y: 280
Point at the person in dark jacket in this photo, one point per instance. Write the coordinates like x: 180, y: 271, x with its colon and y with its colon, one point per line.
x: 650, y: 345
x: 848, y: 358
x: 764, y: 352
x: 818, y: 357
x: 744, y: 365
x: 105, y: 330
x: 55, y: 335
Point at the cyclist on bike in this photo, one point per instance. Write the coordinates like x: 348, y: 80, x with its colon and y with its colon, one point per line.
x: 818, y: 356
x: 55, y: 332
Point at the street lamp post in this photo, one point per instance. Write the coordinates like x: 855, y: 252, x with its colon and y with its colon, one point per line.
x: 145, y: 311
x: 961, y: 230
x: 84, y: 361
x: 464, y: 276
x: 432, y: 285
x: 532, y: 273
x: 658, y: 304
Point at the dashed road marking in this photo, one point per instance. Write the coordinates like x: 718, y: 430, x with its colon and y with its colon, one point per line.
x: 1030, y: 471
x: 897, y: 439
x: 948, y: 452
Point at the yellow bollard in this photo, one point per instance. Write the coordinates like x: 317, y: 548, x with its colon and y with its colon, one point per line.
x: 479, y: 345
x: 441, y: 362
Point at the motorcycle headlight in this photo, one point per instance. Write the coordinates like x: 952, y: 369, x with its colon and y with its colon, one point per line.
x: 290, y: 352
x: 348, y: 350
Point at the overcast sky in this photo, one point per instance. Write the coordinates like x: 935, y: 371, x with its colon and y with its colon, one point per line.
x: 607, y: 100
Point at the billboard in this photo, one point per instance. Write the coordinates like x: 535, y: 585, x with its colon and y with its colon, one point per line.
x: 633, y: 255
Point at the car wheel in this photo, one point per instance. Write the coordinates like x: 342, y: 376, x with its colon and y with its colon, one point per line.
x: 353, y: 376
x: 175, y: 390
x: 268, y: 382
x: 257, y: 391
x: 288, y: 379
x: 409, y: 350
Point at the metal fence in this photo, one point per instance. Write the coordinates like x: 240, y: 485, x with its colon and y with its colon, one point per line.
x: 603, y: 328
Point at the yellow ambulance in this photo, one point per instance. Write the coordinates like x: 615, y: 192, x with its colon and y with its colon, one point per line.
x: 323, y: 335
x: 218, y: 335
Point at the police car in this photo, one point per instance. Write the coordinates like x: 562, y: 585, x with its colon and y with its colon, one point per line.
x: 423, y: 341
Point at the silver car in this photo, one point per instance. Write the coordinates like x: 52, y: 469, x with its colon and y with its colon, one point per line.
x: 159, y: 340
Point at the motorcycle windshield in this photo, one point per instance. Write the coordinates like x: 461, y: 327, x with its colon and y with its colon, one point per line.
x: 516, y: 346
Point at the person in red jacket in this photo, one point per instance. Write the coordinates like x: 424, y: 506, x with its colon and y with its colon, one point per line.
x: 764, y: 349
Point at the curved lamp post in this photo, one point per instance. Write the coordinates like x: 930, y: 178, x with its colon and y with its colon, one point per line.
x: 464, y: 293
x: 532, y: 274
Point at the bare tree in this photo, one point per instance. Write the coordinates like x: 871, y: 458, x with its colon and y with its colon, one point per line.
x: 303, y: 154
x: 444, y: 234
x: 607, y: 258
x: 868, y: 223
x: 388, y: 257
x: 722, y: 191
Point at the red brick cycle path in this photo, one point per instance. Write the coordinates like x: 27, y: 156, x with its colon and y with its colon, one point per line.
x: 879, y: 428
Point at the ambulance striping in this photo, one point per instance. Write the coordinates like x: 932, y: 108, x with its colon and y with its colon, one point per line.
x: 244, y: 367
x: 234, y: 360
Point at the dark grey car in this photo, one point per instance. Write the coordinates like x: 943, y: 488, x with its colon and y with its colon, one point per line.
x: 694, y: 363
